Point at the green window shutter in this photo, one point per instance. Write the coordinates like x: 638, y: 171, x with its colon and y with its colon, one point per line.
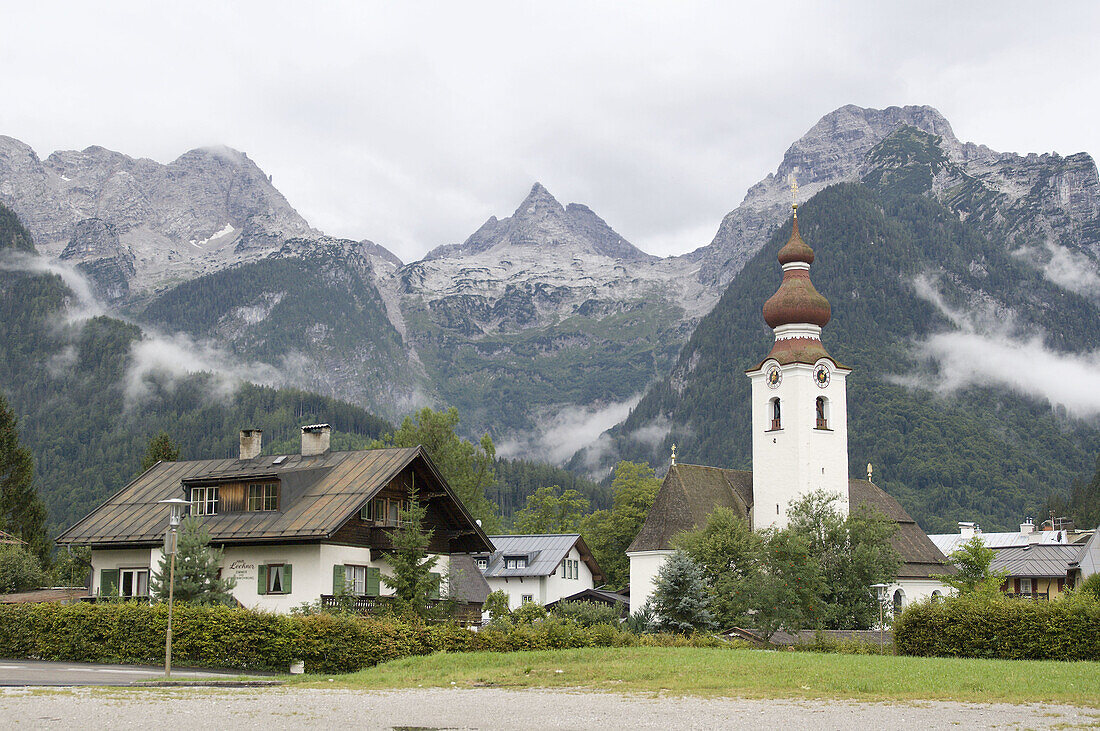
x: 261, y: 579
x: 108, y: 582
x: 338, y: 577
x: 286, y: 578
x: 436, y: 580
x: 373, y: 578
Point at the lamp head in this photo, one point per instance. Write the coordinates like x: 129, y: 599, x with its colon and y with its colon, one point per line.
x: 880, y: 590
x: 177, y: 505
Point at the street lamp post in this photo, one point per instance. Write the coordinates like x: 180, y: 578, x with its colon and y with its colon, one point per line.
x: 170, y: 543
x: 880, y: 594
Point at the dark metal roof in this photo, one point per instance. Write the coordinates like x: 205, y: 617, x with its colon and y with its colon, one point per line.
x: 544, y: 553
x: 320, y: 493
x: 690, y: 493
x: 468, y: 584
x: 598, y: 595
x: 1049, y: 560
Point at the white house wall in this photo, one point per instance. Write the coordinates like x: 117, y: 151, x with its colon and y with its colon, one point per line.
x: 644, y: 566
x: 311, y: 575
x: 544, y: 589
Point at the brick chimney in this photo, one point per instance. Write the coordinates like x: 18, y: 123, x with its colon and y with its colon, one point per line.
x: 315, y: 439
x: 251, y: 443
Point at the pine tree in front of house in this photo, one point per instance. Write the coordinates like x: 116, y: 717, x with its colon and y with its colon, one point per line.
x: 680, y: 599
x: 197, y: 566
x: 413, y: 580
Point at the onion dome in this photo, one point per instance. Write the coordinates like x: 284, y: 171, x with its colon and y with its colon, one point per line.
x: 796, y: 249
x: 796, y: 301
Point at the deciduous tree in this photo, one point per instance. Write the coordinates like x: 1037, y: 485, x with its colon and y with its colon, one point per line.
x: 468, y: 468
x: 973, y: 560
x: 609, y: 532
x: 552, y: 510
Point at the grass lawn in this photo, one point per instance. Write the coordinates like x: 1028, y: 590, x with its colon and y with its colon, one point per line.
x: 743, y: 673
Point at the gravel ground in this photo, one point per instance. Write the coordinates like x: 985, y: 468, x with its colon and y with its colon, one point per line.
x: 490, y: 708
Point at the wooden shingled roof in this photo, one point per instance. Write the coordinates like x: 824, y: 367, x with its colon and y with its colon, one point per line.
x: 689, y: 493
x: 319, y: 494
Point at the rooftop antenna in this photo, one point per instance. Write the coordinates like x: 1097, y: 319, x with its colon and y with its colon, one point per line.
x: 870, y: 470
x: 673, y: 463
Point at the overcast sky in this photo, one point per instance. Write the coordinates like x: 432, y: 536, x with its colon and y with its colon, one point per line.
x: 411, y: 123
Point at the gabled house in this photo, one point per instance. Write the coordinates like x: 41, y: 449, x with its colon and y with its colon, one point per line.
x: 294, y: 528
x: 1036, y: 571
x: 539, y: 568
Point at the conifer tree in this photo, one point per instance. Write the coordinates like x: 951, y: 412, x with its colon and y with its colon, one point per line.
x: 161, y: 448
x: 197, y: 565
x: 680, y: 599
x: 22, y: 512
x: 413, y: 581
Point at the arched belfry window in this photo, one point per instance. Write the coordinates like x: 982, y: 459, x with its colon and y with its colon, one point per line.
x: 776, y: 422
x: 822, y: 412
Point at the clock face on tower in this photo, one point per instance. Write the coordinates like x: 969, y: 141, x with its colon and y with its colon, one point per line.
x: 774, y: 377
x: 822, y: 375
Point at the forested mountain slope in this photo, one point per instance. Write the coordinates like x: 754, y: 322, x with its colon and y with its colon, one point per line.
x: 898, y: 269
x: 313, y: 311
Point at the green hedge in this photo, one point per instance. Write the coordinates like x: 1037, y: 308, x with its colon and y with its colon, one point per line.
x: 1014, y: 629
x: 242, y: 639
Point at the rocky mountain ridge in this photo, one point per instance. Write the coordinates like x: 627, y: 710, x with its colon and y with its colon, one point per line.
x: 209, y: 208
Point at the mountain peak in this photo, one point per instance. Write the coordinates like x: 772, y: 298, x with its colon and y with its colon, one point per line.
x: 541, y: 222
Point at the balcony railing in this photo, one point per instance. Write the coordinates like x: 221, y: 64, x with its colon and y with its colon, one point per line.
x: 822, y: 423
x: 775, y: 425
x: 1035, y: 595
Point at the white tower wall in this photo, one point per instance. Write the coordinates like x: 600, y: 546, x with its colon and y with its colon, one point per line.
x: 798, y: 458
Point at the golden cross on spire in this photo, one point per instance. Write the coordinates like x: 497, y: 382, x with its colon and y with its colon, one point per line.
x: 673, y: 454
x: 794, y: 193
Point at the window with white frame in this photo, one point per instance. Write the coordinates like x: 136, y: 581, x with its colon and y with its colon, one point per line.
x: 1025, y: 585
x: 355, y: 580
x: 133, y: 583
x: 204, y: 500
x: 527, y: 599
x: 515, y: 562
x: 482, y: 563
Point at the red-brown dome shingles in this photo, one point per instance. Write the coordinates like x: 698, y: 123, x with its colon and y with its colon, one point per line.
x: 796, y: 301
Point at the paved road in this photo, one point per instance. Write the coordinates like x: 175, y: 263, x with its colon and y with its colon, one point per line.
x: 289, y: 707
x: 27, y: 672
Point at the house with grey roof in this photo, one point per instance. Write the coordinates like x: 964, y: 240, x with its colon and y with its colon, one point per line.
x: 541, y: 568
x: 293, y: 528
x: 1036, y: 571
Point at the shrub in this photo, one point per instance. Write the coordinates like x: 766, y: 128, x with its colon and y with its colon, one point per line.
x: 587, y: 614
x: 999, y: 627
x: 234, y: 638
x: 528, y: 613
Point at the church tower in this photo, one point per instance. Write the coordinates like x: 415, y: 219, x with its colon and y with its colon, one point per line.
x: 799, y: 407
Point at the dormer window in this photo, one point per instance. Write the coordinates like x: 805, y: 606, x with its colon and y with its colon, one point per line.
x: 204, y: 500
x: 515, y: 562
x: 482, y: 563
x: 263, y: 497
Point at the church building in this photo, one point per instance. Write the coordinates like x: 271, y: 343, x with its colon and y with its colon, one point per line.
x: 799, y: 446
